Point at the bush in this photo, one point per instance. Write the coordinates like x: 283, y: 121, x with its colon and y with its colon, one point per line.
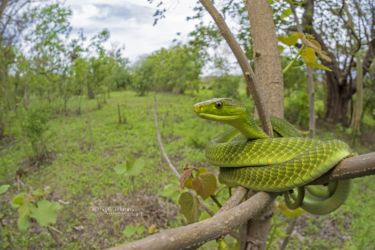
x: 34, y: 126
x: 226, y: 86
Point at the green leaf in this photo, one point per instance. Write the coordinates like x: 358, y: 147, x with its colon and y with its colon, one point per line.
x: 23, y: 220
x: 222, y: 245
x: 120, y: 169
x: 170, y: 191
x: 46, y: 212
x: 135, y: 167
x: 288, y: 40
x: 18, y: 200
x: 319, y: 66
x: 280, y: 48
x: 4, y: 188
x: 205, y: 185
x: 189, y: 207
x: 286, y: 13
x: 309, y: 56
x: 131, y: 230
x: 38, y: 193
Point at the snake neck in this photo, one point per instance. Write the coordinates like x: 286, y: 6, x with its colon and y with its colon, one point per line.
x: 248, y: 127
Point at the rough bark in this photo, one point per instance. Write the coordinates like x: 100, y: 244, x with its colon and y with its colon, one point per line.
x: 268, y: 72
x: 358, y: 100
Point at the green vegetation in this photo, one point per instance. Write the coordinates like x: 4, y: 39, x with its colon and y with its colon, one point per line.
x: 91, y: 177
x: 80, y: 166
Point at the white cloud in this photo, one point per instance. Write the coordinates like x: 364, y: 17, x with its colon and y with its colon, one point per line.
x: 130, y: 22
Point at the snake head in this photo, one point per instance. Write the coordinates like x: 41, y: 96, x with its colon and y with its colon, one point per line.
x: 220, y: 109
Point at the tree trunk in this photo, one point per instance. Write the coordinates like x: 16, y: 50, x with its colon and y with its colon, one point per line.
x: 267, y: 58
x: 268, y: 71
x: 358, y: 101
x: 338, y: 97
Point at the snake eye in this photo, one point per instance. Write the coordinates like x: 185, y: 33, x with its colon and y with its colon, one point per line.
x: 218, y: 104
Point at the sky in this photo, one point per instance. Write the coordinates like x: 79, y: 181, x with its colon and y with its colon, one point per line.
x: 130, y: 22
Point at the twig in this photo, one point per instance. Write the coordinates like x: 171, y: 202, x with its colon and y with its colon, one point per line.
x: 166, y: 158
x: 242, y: 60
x: 158, y: 136
x: 310, y: 81
x: 289, y: 232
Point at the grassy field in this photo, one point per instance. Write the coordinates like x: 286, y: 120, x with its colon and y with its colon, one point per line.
x: 85, y: 151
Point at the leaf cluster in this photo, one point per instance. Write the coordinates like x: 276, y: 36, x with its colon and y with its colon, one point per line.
x: 32, y: 206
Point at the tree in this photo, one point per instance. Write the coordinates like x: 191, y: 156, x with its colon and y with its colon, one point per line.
x: 13, y: 21
x: 346, y: 29
x: 173, y: 70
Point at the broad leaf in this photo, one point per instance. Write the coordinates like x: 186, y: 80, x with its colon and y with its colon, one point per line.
x: 131, y: 230
x: 186, y: 177
x: 23, y: 221
x: 205, y: 185
x: 121, y: 169
x: 134, y: 167
x: 4, y: 188
x: 46, y: 212
x: 38, y: 192
x: 170, y: 191
x: 308, y: 55
x: 189, y: 207
x: 18, y: 200
x: 319, y: 66
x: 288, y: 40
x: 286, y: 13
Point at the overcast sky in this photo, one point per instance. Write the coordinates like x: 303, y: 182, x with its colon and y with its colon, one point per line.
x: 130, y: 22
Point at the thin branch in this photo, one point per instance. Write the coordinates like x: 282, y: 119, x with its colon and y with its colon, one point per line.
x: 170, y: 164
x: 158, y: 136
x: 196, y: 234
x: 310, y: 81
x: 289, y: 232
x: 256, y: 89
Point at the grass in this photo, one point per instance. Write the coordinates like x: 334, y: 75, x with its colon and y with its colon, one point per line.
x: 89, y: 146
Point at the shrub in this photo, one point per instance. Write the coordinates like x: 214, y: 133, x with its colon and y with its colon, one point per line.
x: 34, y: 126
x: 226, y: 86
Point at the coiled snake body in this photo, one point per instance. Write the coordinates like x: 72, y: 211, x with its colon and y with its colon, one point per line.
x: 248, y: 157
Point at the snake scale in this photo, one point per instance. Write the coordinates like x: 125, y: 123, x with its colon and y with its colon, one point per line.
x: 250, y: 158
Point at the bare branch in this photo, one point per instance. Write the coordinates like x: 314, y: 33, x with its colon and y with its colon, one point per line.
x: 158, y: 136
x: 170, y: 164
x: 196, y: 234
x: 256, y: 89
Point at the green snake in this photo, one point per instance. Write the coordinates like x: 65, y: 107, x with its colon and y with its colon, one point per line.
x: 248, y: 157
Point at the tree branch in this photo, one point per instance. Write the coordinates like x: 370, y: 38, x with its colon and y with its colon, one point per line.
x: 254, y: 86
x: 158, y: 137
x: 349, y: 168
x: 166, y: 158
x: 222, y: 223
x: 196, y: 234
